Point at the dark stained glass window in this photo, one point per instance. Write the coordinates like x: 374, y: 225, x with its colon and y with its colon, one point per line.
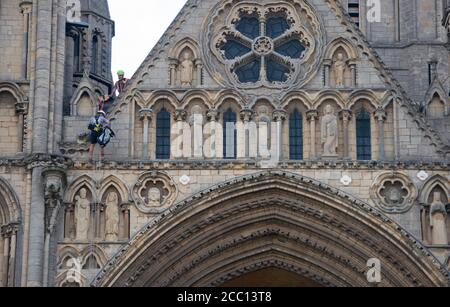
x: 276, y: 26
x: 229, y: 135
x: 249, y: 26
x: 249, y: 72
x: 163, y: 135
x: 363, y: 136
x: 276, y: 72
x: 293, y: 49
x: 296, y: 135
x: 233, y: 49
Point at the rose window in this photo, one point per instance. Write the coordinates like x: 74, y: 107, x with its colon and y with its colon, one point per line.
x: 263, y: 45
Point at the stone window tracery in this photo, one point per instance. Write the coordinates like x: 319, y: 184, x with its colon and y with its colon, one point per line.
x: 263, y: 45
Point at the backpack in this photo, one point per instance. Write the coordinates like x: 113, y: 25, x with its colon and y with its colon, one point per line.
x: 106, y: 137
x: 95, y: 127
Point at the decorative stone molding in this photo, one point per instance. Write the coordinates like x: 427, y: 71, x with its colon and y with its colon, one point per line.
x: 154, y: 192
x: 394, y: 193
x: 221, y: 26
x: 54, y: 180
x: 227, y: 203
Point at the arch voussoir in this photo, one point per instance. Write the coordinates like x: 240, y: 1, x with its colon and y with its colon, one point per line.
x: 271, y: 219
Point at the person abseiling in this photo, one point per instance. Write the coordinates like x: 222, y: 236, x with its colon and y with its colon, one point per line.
x: 97, y: 126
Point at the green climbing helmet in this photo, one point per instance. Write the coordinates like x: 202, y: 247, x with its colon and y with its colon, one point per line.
x: 121, y: 73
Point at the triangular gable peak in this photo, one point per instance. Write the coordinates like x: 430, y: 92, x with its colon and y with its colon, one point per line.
x: 353, y: 35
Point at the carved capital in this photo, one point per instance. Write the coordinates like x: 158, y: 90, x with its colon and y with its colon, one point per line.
x: 327, y: 63
x: 173, y: 63
x: 26, y: 7
x: 380, y: 114
x: 213, y: 115
x: 145, y: 114
x: 125, y: 207
x: 346, y: 115
x: 247, y: 115
x: 7, y: 231
x: 198, y: 63
x: 180, y: 115
x: 279, y: 115
x: 312, y: 115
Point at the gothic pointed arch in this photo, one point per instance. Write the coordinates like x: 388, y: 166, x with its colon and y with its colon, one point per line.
x: 436, y: 90
x: 74, y: 187
x: 10, y: 210
x: 116, y: 183
x: 271, y: 219
x: 85, y: 99
x: 187, y: 42
x: 344, y: 44
x: 431, y: 184
x: 93, y: 252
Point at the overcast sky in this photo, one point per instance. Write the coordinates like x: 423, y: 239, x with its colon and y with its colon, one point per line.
x: 139, y: 26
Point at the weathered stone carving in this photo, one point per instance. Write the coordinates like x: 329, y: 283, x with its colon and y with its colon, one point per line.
x: 330, y: 133
x: 438, y: 217
x: 394, y: 192
x: 112, y: 217
x: 83, y: 209
x: 154, y: 192
x: 339, y: 70
x: 186, y: 70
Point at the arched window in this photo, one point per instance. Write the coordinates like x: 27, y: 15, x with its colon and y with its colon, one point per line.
x: 229, y: 134
x: 95, y: 52
x: 363, y: 136
x: 296, y: 135
x: 163, y: 135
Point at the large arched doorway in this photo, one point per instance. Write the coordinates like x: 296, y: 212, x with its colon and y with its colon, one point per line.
x: 272, y: 223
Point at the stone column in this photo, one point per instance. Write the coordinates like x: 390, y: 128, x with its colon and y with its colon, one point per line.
x: 26, y: 9
x: 180, y: 118
x: 173, y: 64
x: 352, y: 65
x: 279, y: 116
x: 22, y: 110
x: 125, y: 225
x: 69, y: 221
x: 199, y: 71
x: 433, y: 69
x: 37, y: 230
x: 146, y: 116
x: 41, y: 99
x: 6, y: 246
x: 313, y: 116
x: 381, y: 116
x: 346, y: 116
x: 327, y: 72
x: 213, y: 116
x: 13, y: 229
x: 71, y: 36
x: 243, y: 142
x: 1, y: 260
x: 54, y: 181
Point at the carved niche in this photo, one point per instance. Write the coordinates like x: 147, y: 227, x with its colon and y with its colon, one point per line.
x: 394, y: 192
x: 154, y: 192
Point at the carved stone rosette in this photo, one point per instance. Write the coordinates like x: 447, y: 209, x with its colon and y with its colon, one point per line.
x: 154, y: 192
x: 394, y: 193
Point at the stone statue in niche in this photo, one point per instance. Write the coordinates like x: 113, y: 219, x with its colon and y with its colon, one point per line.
x: 83, y: 209
x: 154, y: 197
x: 186, y: 70
x: 438, y: 216
x: 330, y: 140
x: 112, y: 217
x: 339, y: 70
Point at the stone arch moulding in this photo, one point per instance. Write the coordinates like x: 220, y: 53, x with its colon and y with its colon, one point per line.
x: 12, y: 210
x: 343, y: 43
x: 257, y: 221
x: 186, y: 42
x: 433, y: 182
x: 394, y: 192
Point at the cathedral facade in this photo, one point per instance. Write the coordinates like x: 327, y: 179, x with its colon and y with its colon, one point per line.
x: 261, y: 143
